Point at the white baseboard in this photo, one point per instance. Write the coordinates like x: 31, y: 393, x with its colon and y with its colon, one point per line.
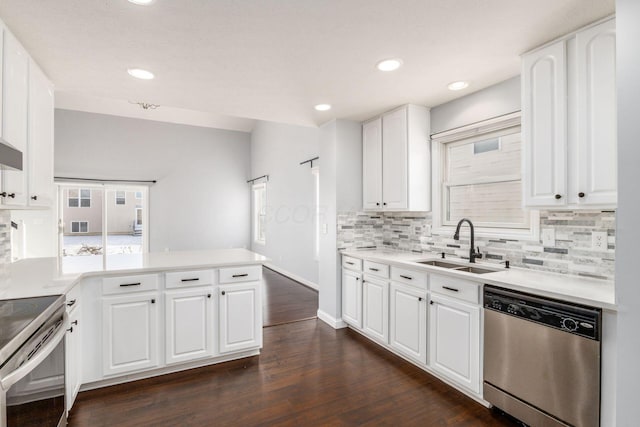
x: 295, y: 277
x: 331, y: 321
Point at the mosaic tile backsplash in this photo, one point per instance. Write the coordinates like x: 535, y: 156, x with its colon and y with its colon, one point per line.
x: 571, y: 254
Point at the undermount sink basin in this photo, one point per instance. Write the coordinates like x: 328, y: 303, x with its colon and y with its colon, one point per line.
x: 457, y: 267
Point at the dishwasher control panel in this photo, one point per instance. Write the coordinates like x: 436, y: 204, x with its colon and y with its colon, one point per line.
x: 575, y: 319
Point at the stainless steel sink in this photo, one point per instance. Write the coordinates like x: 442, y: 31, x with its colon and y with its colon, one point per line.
x: 457, y: 267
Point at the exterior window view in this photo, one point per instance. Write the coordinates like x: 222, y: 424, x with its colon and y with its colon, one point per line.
x: 96, y: 217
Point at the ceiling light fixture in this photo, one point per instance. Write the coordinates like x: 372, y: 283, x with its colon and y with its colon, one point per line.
x: 389, y: 64
x: 458, y: 85
x: 323, y: 107
x: 142, y: 2
x: 139, y: 73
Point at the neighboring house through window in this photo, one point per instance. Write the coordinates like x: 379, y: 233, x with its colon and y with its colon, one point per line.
x: 79, y: 198
x: 79, y: 227
x: 259, y: 212
x: 121, y: 197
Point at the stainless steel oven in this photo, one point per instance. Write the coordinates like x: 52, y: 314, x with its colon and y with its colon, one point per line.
x: 32, y: 366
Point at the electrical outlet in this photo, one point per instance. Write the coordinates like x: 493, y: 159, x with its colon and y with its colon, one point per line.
x: 548, y: 237
x: 599, y: 240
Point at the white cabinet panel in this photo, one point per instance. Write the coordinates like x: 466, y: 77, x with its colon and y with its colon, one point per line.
x: 15, y: 72
x: 240, y: 316
x: 375, y: 308
x: 189, y: 324
x: 40, y: 151
x: 73, y: 356
x: 394, y: 160
x: 454, y: 345
x: 544, y: 126
x: 596, y: 115
x: 372, y: 164
x: 352, y: 298
x: 130, y: 333
x: 408, y: 322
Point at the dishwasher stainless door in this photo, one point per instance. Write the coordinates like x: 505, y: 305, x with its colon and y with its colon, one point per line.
x: 553, y: 371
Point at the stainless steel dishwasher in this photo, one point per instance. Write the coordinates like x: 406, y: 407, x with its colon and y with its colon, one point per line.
x: 541, y: 359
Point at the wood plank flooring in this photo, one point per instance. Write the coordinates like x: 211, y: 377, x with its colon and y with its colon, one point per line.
x: 307, y: 375
x: 286, y: 300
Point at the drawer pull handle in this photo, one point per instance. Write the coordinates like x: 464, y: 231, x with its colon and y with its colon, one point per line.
x: 373, y: 269
x: 223, y: 293
x: 71, y: 303
x: 350, y: 263
x: 208, y: 295
x: 240, y: 275
x: 124, y: 285
x: 191, y: 280
x: 450, y: 289
x: 406, y: 277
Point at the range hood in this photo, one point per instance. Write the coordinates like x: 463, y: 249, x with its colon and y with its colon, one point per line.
x: 10, y: 158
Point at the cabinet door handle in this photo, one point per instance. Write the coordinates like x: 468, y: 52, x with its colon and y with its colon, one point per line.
x: 71, y: 303
x: 384, y: 204
x: 34, y: 197
x: 377, y: 204
x: 558, y: 196
x: 124, y: 285
x: 581, y: 194
x: 240, y: 275
x: 350, y: 263
x: 419, y: 298
x: 153, y: 300
x: 75, y: 322
x: 431, y: 302
x: 373, y: 269
x: 70, y: 330
x: 223, y: 293
x: 357, y: 278
x: 3, y: 194
x: 12, y: 195
x: 208, y: 295
x: 450, y: 289
x: 406, y: 277
x: 190, y: 280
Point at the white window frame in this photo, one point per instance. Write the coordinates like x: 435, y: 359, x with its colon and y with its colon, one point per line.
x: 316, y: 176
x: 79, y: 197
x: 256, y: 214
x: 142, y: 219
x: 79, y: 222
x: 115, y: 196
x: 438, y: 142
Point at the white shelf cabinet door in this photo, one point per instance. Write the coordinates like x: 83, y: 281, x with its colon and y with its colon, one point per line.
x: 454, y: 343
x: 40, y: 146
x: 375, y: 309
x: 372, y: 165
x: 189, y: 324
x: 15, y: 88
x: 596, y: 139
x: 544, y: 126
x: 240, y: 316
x: 352, y: 298
x: 408, y: 321
x: 395, y: 172
x: 130, y: 333
x: 73, y: 357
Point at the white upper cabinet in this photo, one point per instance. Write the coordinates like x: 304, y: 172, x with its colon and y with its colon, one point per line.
x: 569, y: 121
x: 15, y: 86
x: 40, y: 150
x: 397, y: 161
x: 372, y: 164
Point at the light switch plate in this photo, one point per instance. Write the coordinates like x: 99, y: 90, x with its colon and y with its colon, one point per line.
x: 548, y: 237
x: 599, y: 240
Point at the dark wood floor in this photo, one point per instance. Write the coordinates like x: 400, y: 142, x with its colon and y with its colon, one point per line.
x: 307, y: 375
x: 286, y: 300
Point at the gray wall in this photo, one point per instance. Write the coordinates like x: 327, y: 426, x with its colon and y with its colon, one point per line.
x: 628, y: 232
x: 494, y: 101
x: 277, y: 150
x: 201, y: 199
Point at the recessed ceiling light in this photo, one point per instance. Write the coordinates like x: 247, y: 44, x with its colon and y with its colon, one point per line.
x: 142, y: 2
x: 389, y: 64
x: 323, y: 107
x: 139, y: 73
x: 458, y: 85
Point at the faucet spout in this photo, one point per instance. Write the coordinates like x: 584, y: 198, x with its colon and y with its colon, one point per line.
x: 473, y: 254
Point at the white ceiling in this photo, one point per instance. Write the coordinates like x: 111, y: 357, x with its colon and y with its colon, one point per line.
x: 229, y: 62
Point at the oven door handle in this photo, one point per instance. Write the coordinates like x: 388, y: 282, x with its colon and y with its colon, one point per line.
x: 42, y: 353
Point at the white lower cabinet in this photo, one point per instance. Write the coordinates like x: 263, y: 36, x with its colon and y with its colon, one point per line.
x: 240, y: 316
x: 352, y: 298
x: 189, y: 324
x: 408, y: 322
x: 454, y: 344
x: 129, y: 333
x: 73, y: 358
x: 375, y: 308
